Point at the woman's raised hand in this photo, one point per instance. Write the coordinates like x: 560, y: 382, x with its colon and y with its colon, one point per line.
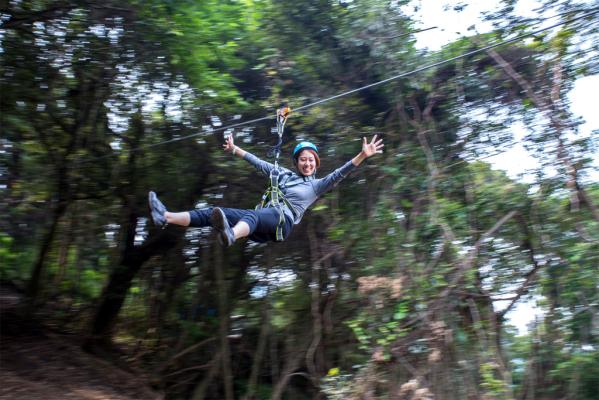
x: 372, y: 148
x: 229, y: 145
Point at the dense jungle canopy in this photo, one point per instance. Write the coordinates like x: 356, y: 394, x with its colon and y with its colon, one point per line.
x: 398, y: 284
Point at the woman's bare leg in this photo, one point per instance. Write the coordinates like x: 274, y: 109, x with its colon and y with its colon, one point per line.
x: 177, y: 218
x: 241, y: 229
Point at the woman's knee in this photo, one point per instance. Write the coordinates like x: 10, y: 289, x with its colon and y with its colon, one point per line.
x: 199, y: 218
x: 251, y: 220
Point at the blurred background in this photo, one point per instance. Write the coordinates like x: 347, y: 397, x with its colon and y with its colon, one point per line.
x: 460, y: 264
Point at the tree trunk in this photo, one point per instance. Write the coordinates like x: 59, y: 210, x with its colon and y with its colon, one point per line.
x: 315, y: 308
x: 223, y: 311
x: 260, y: 349
x: 199, y: 392
x: 33, y: 288
x: 296, y: 352
x: 120, y: 280
x: 63, y: 253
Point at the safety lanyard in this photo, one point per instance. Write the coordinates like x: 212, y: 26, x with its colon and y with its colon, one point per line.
x: 275, y: 194
x: 281, y: 118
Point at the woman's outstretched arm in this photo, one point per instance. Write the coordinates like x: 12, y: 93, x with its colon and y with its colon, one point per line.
x: 262, y: 166
x: 331, y: 180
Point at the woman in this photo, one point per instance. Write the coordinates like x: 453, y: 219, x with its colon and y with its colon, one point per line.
x: 300, y: 190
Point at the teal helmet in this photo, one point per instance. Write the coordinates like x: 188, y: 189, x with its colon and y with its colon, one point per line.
x: 303, y: 146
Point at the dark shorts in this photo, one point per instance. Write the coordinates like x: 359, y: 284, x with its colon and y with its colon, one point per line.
x: 263, y: 222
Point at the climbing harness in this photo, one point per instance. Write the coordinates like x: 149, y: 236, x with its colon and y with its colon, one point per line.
x: 277, y: 198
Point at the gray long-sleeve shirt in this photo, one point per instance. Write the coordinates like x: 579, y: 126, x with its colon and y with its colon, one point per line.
x: 301, y: 191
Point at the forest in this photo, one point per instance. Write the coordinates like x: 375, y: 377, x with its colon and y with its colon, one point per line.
x: 400, y: 283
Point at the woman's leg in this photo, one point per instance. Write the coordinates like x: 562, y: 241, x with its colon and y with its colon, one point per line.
x: 233, y: 223
x: 162, y: 217
x: 201, y: 218
x: 260, y: 225
x: 267, y: 224
x: 177, y: 218
x: 243, y: 222
x: 241, y: 229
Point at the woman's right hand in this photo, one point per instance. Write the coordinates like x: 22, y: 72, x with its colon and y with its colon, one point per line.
x: 229, y: 145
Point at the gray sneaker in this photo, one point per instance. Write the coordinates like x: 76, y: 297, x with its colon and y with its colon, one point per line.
x: 226, y: 237
x: 157, y: 210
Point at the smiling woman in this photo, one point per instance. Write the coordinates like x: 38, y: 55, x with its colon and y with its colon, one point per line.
x: 274, y: 221
x: 306, y: 158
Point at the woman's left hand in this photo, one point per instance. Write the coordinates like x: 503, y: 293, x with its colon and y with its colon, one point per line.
x: 372, y: 148
x: 229, y: 145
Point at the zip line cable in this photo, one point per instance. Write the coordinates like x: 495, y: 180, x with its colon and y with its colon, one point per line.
x: 374, y: 84
x: 405, y: 33
x: 442, y: 62
x: 224, y: 128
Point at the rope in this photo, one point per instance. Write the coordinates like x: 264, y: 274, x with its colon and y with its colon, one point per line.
x: 378, y: 83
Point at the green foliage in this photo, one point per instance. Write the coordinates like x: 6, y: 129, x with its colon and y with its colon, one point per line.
x: 91, y: 283
x: 202, y: 40
x: 8, y: 270
x: 493, y: 386
x: 286, y: 299
x: 391, y: 262
x: 579, y: 373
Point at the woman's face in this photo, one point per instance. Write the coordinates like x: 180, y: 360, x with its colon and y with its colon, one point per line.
x: 306, y: 163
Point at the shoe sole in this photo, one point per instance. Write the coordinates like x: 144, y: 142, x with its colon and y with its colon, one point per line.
x: 151, y: 198
x: 218, y: 222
